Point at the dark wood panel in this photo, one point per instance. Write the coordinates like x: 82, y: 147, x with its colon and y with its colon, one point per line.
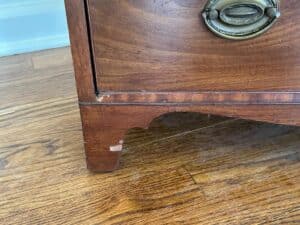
x: 104, y: 126
x: 159, y: 45
x: 81, y: 49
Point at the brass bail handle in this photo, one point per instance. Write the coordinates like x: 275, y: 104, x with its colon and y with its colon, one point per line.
x: 240, y: 19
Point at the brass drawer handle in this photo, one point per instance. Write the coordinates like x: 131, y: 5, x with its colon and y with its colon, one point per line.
x: 240, y: 19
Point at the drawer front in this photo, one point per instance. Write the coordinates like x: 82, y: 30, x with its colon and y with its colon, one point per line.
x: 164, y: 45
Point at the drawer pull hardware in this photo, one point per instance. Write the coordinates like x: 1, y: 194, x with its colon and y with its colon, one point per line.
x: 240, y: 19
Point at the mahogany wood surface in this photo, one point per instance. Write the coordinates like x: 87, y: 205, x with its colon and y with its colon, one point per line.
x: 160, y: 45
x: 137, y: 59
x: 199, y: 98
x: 81, y: 51
x: 105, y: 126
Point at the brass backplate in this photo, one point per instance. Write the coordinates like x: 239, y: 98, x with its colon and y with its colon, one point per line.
x: 240, y: 19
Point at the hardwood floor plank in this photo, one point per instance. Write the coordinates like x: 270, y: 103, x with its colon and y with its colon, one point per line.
x: 187, y: 168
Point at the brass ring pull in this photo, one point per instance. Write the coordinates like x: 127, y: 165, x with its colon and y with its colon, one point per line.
x: 240, y: 19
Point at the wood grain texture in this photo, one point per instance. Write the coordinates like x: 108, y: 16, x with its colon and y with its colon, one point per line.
x: 84, y: 59
x: 159, y: 45
x: 81, y: 49
x: 105, y: 126
x: 158, y: 55
x: 199, y: 98
x: 187, y: 168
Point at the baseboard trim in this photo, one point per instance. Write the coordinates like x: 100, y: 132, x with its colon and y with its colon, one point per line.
x: 35, y: 44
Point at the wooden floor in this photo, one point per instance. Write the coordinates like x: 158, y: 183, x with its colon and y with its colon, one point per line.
x: 186, y: 169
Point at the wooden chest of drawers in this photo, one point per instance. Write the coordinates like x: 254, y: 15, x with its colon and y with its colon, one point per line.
x: 138, y: 59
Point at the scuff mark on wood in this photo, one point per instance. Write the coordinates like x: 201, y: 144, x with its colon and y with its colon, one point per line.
x: 101, y: 98
x: 117, y: 148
